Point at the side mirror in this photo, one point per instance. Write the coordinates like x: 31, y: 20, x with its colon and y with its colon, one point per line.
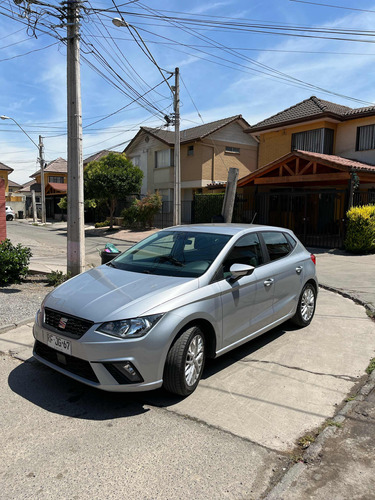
x: 239, y: 270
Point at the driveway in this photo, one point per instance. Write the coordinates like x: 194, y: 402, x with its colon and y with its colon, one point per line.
x: 233, y: 438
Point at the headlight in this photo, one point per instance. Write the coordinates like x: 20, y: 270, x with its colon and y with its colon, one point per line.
x: 130, y: 328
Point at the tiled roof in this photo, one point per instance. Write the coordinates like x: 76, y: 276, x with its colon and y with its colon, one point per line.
x: 338, y: 160
x: 57, y: 166
x: 194, y: 133
x: 13, y: 184
x: 58, y: 186
x: 5, y: 167
x: 98, y: 156
x: 309, y: 109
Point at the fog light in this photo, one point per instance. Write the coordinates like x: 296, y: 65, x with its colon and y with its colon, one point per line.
x: 124, y: 372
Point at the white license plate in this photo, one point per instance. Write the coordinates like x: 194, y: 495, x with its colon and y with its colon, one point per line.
x: 59, y: 344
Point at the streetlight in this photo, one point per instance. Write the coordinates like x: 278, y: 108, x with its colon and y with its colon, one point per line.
x: 121, y: 23
x: 41, y: 162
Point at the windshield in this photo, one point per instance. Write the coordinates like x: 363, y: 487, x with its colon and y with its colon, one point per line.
x: 173, y: 253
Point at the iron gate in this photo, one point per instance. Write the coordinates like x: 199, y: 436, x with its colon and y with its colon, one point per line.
x: 316, y: 217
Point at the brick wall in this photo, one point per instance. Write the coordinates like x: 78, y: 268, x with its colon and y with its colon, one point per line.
x: 3, y: 227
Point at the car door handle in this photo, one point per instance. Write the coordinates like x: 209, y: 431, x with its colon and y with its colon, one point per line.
x: 299, y: 269
x: 268, y: 282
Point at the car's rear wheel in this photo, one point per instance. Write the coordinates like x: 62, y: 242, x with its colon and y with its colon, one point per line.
x: 185, y: 362
x: 9, y: 217
x: 306, y: 306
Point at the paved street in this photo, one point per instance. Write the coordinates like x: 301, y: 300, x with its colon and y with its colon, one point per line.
x: 48, y: 244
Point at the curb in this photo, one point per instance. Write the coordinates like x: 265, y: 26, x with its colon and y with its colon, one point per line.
x: 12, y: 326
x: 347, y: 295
x: 315, y: 448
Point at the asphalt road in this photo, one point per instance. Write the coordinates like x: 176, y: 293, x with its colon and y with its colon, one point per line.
x: 48, y: 240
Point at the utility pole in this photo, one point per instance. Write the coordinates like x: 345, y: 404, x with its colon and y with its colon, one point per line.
x: 33, y: 204
x: 42, y: 183
x: 177, y: 164
x: 76, y: 234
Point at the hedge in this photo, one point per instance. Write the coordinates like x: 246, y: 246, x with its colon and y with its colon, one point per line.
x: 360, y: 235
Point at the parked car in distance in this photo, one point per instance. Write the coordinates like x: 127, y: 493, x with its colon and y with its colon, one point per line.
x: 151, y: 316
x: 10, y: 215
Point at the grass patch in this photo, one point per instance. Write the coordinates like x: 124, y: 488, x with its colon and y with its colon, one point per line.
x: 350, y: 398
x: 56, y: 278
x: 305, y: 441
x: 371, y: 366
x: 332, y: 423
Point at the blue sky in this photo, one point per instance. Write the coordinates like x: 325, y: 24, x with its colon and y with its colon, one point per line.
x: 225, y: 67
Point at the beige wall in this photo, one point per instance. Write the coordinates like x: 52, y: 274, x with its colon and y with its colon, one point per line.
x: 274, y: 145
x: 346, y: 140
x: 4, y: 175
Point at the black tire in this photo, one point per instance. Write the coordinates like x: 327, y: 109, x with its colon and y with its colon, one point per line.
x: 177, y: 379
x: 306, y: 306
x: 9, y: 217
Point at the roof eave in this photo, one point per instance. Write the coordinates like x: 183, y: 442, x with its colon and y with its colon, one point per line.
x: 278, y: 126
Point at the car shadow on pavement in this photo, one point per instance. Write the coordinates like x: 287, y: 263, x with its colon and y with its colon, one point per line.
x: 59, y: 394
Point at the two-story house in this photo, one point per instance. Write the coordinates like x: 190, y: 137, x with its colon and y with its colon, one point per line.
x: 315, y: 160
x: 206, y: 154
x: 4, y: 173
x: 55, y: 182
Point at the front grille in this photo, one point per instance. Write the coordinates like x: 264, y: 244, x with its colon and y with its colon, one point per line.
x: 74, y: 327
x: 69, y: 363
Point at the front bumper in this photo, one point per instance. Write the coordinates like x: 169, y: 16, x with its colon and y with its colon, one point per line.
x: 97, y: 359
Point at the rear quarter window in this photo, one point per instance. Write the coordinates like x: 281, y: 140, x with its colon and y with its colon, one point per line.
x: 277, y: 244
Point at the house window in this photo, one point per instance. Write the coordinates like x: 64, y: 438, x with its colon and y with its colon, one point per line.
x: 190, y: 150
x: 56, y: 178
x: 365, y: 138
x: 164, y: 158
x: 135, y: 160
x: 319, y: 140
x: 230, y: 149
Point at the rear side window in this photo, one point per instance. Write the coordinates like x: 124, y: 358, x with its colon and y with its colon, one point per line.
x: 277, y: 244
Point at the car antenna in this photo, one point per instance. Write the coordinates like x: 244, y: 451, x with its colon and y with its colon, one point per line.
x: 253, y: 219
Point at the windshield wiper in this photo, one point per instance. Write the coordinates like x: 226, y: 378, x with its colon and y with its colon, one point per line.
x: 172, y: 260
x: 111, y: 264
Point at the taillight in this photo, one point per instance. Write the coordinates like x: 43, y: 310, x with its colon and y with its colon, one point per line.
x: 313, y: 258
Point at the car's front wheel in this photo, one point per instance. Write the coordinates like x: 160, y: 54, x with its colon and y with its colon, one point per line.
x: 185, y: 362
x: 306, y: 306
x: 9, y: 217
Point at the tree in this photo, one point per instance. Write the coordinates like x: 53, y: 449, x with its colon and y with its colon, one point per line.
x: 110, y: 179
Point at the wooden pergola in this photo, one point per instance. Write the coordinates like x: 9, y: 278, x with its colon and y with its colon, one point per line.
x: 305, y: 169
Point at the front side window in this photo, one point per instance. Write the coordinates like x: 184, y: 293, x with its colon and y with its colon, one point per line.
x: 365, y: 138
x: 247, y: 251
x: 173, y: 253
x: 277, y: 244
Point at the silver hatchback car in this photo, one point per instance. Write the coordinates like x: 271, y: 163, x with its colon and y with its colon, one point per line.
x: 151, y: 316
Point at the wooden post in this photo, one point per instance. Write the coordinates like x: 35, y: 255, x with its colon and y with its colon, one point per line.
x: 230, y: 195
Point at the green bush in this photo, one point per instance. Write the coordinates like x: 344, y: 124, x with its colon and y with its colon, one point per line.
x: 143, y: 211
x: 14, y: 262
x: 102, y: 224
x: 360, y: 235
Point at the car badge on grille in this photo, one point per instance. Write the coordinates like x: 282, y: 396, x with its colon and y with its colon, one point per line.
x: 62, y: 323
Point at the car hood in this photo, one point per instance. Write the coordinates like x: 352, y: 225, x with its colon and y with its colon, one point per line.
x: 107, y: 294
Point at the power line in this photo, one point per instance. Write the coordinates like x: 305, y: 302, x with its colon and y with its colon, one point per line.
x: 333, y: 6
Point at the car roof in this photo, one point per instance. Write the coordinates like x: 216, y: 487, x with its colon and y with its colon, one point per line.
x: 225, y: 228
